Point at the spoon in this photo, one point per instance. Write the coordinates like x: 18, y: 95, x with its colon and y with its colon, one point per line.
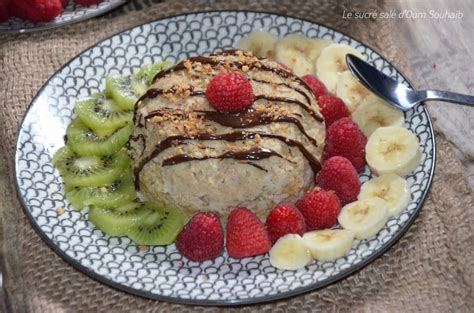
x: 396, y: 93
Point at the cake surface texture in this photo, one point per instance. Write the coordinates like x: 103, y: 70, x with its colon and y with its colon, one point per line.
x: 189, y: 156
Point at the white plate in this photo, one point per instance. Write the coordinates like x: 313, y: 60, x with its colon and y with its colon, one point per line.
x: 162, y: 273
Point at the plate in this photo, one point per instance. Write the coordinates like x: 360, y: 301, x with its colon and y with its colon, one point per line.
x: 72, y: 14
x: 161, y: 272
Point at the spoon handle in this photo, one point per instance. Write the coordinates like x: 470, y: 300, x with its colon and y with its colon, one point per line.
x: 449, y: 97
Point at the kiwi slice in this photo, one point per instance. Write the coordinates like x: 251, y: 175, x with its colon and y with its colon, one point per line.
x: 160, y: 226
x: 125, y: 90
x: 85, y: 141
x: 116, y: 194
x: 148, y: 73
x: 102, y: 115
x: 90, y: 171
x: 116, y: 221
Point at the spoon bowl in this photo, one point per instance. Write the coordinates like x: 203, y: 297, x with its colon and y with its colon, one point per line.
x: 396, y: 93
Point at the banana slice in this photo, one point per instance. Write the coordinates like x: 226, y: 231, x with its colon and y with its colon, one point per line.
x: 299, y: 52
x: 260, y: 43
x: 290, y: 253
x: 392, y: 149
x: 332, y: 62
x: 364, y: 217
x: 329, y: 244
x: 390, y: 187
x: 313, y: 48
x: 374, y: 113
x: 351, y: 91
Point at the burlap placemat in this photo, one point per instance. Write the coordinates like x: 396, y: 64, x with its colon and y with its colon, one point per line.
x: 430, y: 269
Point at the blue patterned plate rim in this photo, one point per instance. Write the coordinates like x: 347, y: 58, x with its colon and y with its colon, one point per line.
x: 52, y: 25
x: 238, y: 302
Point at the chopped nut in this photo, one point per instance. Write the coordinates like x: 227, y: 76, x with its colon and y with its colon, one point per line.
x: 60, y: 210
x: 143, y: 248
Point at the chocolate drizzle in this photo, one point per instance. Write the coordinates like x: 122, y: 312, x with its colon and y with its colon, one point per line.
x: 231, y: 137
x: 154, y: 92
x: 212, y: 61
x: 289, y: 100
x: 246, y: 155
x: 245, y: 119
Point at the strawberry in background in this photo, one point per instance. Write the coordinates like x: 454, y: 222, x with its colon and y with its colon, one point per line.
x: 4, y: 10
x: 37, y: 10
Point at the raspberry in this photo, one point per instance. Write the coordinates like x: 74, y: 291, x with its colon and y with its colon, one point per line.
x: 338, y: 175
x: 246, y: 235
x: 284, y: 219
x: 4, y: 10
x: 64, y: 3
x: 202, y: 238
x: 230, y: 92
x: 88, y: 2
x: 344, y: 138
x: 316, y: 85
x: 37, y: 10
x: 320, y: 209
x: 332, y: 108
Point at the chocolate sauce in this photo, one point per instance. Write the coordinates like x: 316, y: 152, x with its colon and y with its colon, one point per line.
x: 231, y: 137
x: 257, y: 166
x: 251, y: 155
x: 294, y: 101
x: 244, y: 119
x: 208, y: 60
x: 153, y: 92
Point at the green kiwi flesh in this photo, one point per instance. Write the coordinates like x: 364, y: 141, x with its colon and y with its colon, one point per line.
x: 85, y: 141
x: 102, y: 115
x: 90, y: 171
x: 125, y: 90
x: 160, y: 227
x: 116, y: 194
x: 148, y: 72
x: 116, y: 221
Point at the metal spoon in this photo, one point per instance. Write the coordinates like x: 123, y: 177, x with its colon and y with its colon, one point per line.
x: 396, y: 93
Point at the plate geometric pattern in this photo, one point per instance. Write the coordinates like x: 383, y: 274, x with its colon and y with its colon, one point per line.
x: 161, y: 272
x: 72, y: 14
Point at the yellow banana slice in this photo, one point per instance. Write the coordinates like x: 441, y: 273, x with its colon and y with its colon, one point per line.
x: 329, y: 244
x: 332, y: 62
x: 374, y: 113
x: 389, y: 187
x: 392, y: 149
x: 364, y: 217
x: 260, y: 43
x: 290, y: 253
